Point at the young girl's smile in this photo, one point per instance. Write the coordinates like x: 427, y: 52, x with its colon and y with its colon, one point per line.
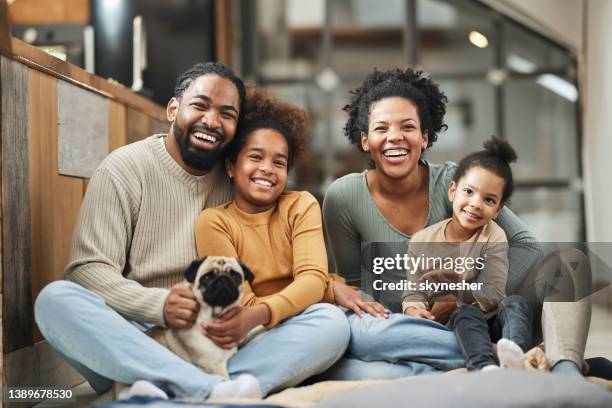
x: 260, y: 171
x: 476, y: 201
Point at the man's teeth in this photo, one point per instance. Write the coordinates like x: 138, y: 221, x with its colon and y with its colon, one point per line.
x: 262, y: 182
x: 396, y: 152
x: 204, y: 136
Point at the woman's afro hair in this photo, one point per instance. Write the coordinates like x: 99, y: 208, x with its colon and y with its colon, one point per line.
x: 264, y: 111
x: 405, y: 83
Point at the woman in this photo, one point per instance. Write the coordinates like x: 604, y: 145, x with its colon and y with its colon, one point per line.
x: 394, y: 116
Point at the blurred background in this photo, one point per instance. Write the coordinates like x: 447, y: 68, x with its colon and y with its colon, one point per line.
x: 501, y: 77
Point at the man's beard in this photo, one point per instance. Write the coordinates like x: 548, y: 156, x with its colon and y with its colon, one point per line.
x: 194, y: 157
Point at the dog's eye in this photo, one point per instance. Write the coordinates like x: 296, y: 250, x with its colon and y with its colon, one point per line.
x: 205, y: 280
x: 236, y: 277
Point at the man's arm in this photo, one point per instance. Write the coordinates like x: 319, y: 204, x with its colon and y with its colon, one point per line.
x: 100, y: 248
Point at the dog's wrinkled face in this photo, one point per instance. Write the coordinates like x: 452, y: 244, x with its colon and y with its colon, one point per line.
x: 217, y: 280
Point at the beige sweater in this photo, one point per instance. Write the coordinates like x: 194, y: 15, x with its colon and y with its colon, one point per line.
x: 135, y: 234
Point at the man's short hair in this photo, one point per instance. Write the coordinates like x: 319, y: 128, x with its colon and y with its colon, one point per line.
x: 208, y: 68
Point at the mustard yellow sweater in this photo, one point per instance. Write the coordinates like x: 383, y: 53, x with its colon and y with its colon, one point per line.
x: 283, y: 247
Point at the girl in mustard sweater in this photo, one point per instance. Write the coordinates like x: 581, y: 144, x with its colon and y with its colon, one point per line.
x: 278, y: 234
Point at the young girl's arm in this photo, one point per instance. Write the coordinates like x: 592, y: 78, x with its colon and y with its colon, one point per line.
x: 494, y: 276
x: 310, y: 274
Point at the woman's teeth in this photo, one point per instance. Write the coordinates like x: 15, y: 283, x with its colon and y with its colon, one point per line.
x: 395, y: 152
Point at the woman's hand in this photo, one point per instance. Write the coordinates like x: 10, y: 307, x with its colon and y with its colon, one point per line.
x: 351, y: 299
x: 416, y: 312
x: 234, y: 325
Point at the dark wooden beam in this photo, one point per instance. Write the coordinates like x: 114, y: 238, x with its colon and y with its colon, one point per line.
x: 18, y: 314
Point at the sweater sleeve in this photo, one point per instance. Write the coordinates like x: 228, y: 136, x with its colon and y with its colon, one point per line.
x: 343, y: 238
x: 310, y: 273
x: 494, y: 275
x: 100, y: 247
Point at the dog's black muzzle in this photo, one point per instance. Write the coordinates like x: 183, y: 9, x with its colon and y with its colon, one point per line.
x: 221, y: 291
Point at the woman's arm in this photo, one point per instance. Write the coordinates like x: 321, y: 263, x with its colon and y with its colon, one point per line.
x: 342, y: 236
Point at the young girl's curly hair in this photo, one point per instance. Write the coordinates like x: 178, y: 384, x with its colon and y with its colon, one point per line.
x: 263, y: 111
x: 407, y: 83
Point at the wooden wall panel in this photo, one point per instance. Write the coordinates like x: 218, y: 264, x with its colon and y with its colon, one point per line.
x: 55, y: 199
x: 50, y: 11
x: 140, y: 125
x: 16, y: 234
x: 117, y: 127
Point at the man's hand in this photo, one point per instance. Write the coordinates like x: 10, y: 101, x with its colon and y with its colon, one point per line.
x: 351, y: 299
x: 180, y: 307
x: 234, y: 325
x: 416, y: 312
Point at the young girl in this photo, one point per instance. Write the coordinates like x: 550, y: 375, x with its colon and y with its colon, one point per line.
x: 277, y: 234
x: 470, y: 247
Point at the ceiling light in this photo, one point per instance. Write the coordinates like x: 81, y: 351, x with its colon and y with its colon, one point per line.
x: 478, y: 39
x: 519, y: 64
x: 559, y: 86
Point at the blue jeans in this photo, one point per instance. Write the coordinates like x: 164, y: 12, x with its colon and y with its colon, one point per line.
x: 104, y: 347
x: 396, y: 347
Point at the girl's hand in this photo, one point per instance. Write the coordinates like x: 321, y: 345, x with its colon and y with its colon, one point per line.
x: 351, y: 299
x: 234, y: 325
x: 416, y: 312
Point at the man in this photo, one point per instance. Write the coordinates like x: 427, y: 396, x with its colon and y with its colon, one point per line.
x: 134, y: 238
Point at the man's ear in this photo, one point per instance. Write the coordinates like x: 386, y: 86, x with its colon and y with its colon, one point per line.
x: 229, y: 168
x: 248, y: 275
x: 192, y: 270
x: 172, y: 109
x: 452, y: 189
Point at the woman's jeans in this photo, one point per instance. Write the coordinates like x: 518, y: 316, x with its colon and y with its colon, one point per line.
x: 399, y: 346
x: 513, y: 321
x: 105, y: 347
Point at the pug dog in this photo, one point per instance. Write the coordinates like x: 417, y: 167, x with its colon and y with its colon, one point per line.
x: 216, y: 282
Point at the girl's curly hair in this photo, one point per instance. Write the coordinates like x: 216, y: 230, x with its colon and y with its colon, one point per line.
x: 263, y: 111
x: 409, y: 84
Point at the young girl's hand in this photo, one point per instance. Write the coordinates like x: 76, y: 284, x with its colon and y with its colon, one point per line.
x: 416, y: 312
x: 351, y: 299
x: 234, y: 325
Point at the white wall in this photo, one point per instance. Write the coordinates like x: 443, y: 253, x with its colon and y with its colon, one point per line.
x: 597, y: 137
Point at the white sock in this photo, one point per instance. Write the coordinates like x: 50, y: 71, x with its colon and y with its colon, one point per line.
x: 510, y: 355
x: 142, y: 388
x: 490, y: 367
x: 245, y: 386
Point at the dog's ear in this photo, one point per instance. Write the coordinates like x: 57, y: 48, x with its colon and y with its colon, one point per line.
x: 192, y: 270
x: 248, y: 275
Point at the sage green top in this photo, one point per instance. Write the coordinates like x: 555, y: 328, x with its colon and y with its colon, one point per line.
x: 353, y: 221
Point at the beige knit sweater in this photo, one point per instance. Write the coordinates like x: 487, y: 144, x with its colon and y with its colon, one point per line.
x: 135, y: 234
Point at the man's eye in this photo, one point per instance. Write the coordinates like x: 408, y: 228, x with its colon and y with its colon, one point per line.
x: 228, y: 115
